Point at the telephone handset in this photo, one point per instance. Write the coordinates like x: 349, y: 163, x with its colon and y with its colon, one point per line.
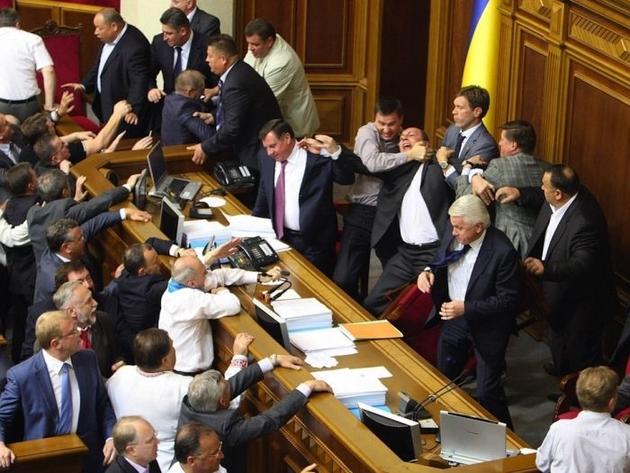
x: 232, y: 173
x: 253, y: 253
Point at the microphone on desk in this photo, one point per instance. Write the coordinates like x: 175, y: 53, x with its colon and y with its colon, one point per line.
x: 409, y: 407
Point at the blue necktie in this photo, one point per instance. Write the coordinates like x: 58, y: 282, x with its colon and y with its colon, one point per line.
x: 449, y: 257
x: 65, y: 415
x: 219, y: 115
x: 458, y: 146
x: 177, y: 69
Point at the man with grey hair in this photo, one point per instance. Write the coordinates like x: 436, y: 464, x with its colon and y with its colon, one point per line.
x: 183, y: 111
x: 192, y: 297
x: 136, y: 445
x: 475, y: 285
x: 209, y: 397
x: 96, y: 327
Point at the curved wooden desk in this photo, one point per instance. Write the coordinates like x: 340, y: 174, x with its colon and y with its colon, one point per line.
x: 325, y: 432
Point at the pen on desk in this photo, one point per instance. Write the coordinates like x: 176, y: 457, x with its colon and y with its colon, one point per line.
x: 150, y: 132
x: 211, y: 244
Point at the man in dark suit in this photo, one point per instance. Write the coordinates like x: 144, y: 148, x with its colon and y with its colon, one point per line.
x: 467, y: 140
x: 176, y: 49
x: 209, y: 396
x: 245, y: 104
x: 66, y: 242
x: 200, y: 21
x: 569, y: 253
x: 121, y: 71
x: 13, y: 149
x: 22, y: 182
x: 296, y: 192
x: 135, y: 441
x: 183, y: 112
x: 45, y: 390
x: 412, y: 211
x: 475, y: 286
x: 53, y: 189
x: 97, y: 329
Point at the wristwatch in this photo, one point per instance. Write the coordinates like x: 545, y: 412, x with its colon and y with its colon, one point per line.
x: 274, y: 360
x: 444, y: 165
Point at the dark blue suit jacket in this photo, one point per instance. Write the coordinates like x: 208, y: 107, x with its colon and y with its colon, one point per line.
x: 318, y: 220
x: 29, y: 392
x: 248, y: 104
x: 163, y: 59
x: 492, y: 296
x: 205, y: 23
x: 178, y: 124
x: 125, y: 76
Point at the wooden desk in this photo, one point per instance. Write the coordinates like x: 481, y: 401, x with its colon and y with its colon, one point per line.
x: 325, y: 432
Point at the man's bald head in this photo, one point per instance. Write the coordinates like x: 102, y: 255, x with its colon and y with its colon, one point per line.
x: 189, y: 271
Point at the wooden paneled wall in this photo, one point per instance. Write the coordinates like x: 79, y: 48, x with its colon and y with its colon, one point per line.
x: 338, y: 42
x: 564, y: 66
x: 35, y: 13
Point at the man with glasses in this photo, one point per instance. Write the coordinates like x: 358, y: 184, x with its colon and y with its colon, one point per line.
x: 197, y: 450
x: 136, y: 445
x: 58, y: 391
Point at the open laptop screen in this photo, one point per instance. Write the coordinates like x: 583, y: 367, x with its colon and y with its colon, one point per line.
x: 157, y: 164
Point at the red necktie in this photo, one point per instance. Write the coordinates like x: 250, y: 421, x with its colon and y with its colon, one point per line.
x: 278, y: 216
x: 85, y: 339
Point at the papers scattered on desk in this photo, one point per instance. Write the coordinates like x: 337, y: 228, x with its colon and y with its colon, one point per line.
x: 303, y: 314
x: 319, y: 361
x: 351, y: 388
x: 213, y: 201
x: 327, y: 341
x: 248, y: 226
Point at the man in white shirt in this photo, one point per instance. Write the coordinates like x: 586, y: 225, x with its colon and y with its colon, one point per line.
x: 151, y: 388
x: 475, y: 286
x: 593, y: 441
x: 22, y: 55
x: 569, y: 253
x: 193, y: 297
x: 276, y: 61
x: 136, y: 444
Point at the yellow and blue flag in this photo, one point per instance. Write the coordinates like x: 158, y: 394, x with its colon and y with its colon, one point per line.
x: 482, y: 60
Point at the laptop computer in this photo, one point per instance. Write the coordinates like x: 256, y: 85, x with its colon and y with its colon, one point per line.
x: 469, y: 440
x: 165, y: 185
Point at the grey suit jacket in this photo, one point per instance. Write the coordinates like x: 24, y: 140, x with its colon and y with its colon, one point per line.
x: 520, y: 170
x: 480, y: 143
x: 233, y: 429
x: 39, y: 217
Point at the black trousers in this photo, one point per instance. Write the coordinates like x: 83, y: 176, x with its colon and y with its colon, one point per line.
x: 401, y: 269
x: 321, y: 254
x: 453, y: 348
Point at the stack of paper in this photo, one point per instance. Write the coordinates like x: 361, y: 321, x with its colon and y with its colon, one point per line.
x: 303, y: 314
x: 351, y: 387
x: 322, y: 342
x: 244, y: 226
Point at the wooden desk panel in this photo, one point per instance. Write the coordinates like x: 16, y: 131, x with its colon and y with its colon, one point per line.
x: 325, y: 432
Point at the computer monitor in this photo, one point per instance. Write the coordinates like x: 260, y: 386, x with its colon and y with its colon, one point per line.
x: 156, y: 163
x: 273, y: 324
x: 172, y: 222
x: 401, y: 435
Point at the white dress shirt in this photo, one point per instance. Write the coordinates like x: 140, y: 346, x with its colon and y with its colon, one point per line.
x: 293, y: 176
x: 177, y: 468
x: 592, y: 442
x: 185, y: 52
x: 229, y: 277
x: 185, y: 314
x: 105, y: 53
x: 21, y: 54
x: 54, y: 368
x: 155, y: 396
x: 466, y: 134
x: 138, y: 468
x: 554, y: 221
x: 11, y: 151
x: 459, y: 272
x: 416, y: 226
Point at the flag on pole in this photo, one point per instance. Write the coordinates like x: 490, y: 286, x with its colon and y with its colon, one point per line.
x: 482, y: 59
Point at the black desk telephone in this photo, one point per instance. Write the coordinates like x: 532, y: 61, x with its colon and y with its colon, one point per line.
x: 233, y: 173
x: 253, y: 253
